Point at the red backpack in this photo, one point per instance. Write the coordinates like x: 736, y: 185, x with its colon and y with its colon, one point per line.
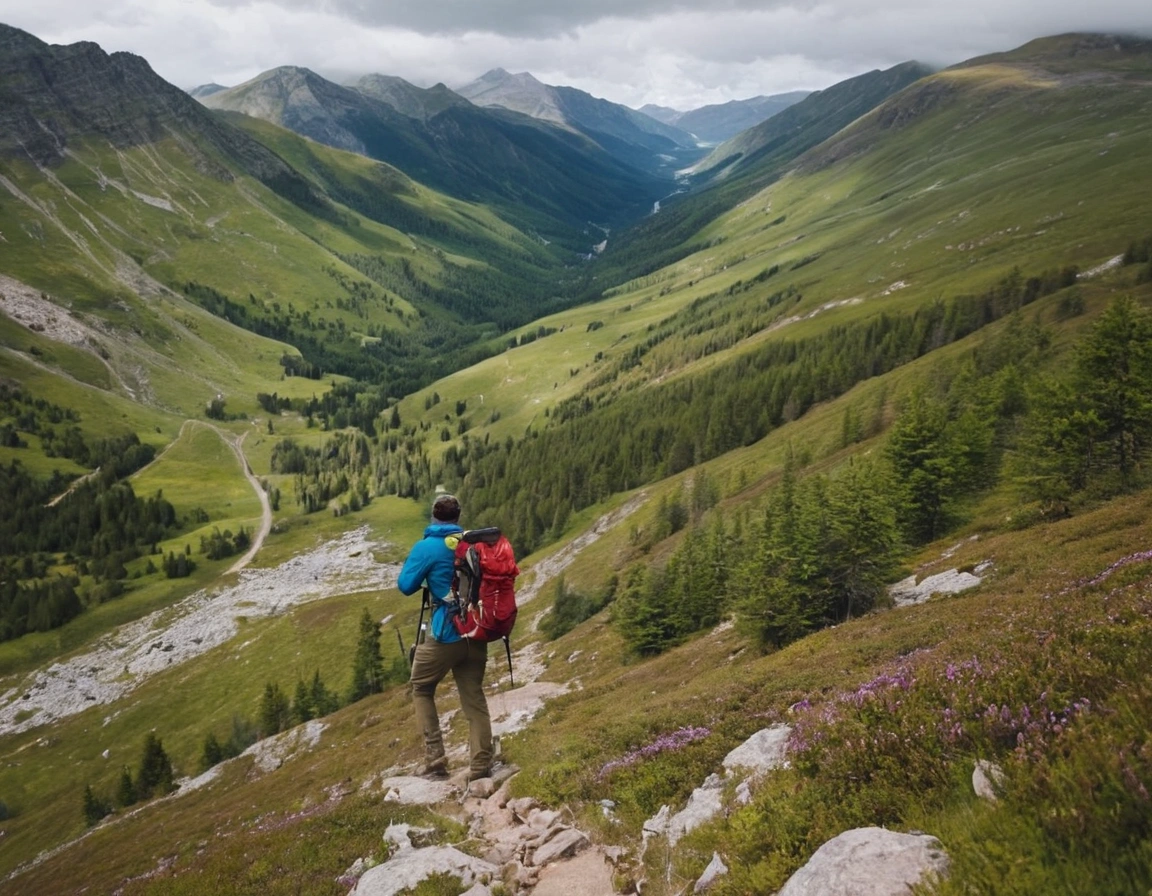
x: 484, y: 585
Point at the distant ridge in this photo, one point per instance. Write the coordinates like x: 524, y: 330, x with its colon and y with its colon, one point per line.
x: 205, y: 90
x: 806, y: 123
x: 637, y: 139
x: 407, y: 98
x: 720, y: 122
x: 541, y: 176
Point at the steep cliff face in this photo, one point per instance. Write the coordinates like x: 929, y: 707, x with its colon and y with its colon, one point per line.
x: 51, y: 96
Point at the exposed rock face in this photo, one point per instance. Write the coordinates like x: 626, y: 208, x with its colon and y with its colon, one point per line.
x: 986, y: 778
x: 907, y: 591
x: 715, y: 870
x: 762, y: 752
x: 409, y: 866
x: 56, y: 94
x: 705, y: 803
x: 869, y: 862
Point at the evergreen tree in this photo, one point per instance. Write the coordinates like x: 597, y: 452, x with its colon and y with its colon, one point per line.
x: 642, y: 615
x: 863, y: 538
x: 275, y: 712
x: 126, y: 790
x: 155, y: 774
x: 368, y: 664
x: 1114, y: 376
x: 212, y: 753
x: 93, y: 807
x: 303, y: 709
x: 322, y: 699
x: 925, y: 467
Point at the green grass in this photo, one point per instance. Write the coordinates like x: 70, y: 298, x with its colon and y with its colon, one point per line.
x: 934, y: 203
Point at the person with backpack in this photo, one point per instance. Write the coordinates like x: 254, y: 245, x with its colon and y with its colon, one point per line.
x: 431, y: 566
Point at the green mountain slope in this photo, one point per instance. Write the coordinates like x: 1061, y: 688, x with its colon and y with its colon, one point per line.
x: 690, y: 447
x: 737, y: 169
x: 121, y: 184
x: 535, y: 174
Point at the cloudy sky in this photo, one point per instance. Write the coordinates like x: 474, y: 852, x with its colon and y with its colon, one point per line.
x: 679, y: 53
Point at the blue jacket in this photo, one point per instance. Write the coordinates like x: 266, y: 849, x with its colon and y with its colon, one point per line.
x: 431, y: 562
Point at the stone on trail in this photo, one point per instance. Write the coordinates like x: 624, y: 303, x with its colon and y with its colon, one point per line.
x: 409, y: 790
x: 586, y: 875
x: 762, y: 752
x: 716, y: 869
x: 567, y: 842
x: 409, y: 867
x: 869, y: 862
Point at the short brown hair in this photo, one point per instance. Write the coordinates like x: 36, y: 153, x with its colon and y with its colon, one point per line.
x: 446, y: 509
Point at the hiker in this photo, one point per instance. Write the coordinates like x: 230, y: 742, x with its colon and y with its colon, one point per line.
x: 430, y: 565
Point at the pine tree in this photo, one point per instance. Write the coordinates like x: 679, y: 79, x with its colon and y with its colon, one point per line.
x: 212, y: 753
x: 155, y: 773
x: 94, y: 808
x: 1114, y: 376
x: 275, y: 712
x: 323, y: 700
x: 368, y: 664
x: 126, y: 791
x: 303, y: 709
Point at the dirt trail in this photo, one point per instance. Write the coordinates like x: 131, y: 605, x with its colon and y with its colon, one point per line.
x: 237, y: 446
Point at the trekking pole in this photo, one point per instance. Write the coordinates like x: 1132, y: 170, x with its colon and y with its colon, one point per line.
x: 425, y: 601
x: 508, y: 650
x: 403, y: 652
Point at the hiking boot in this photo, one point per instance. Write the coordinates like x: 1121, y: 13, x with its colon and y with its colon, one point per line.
x: 435, y: 771
x: 476, y: 775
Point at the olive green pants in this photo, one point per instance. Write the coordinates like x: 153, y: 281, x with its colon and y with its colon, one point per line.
x: 466, y: 660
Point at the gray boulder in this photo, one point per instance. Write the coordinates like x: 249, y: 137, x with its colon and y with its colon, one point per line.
x: 869, y: 862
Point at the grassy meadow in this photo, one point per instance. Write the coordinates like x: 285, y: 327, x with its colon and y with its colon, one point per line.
x: 954, y: 186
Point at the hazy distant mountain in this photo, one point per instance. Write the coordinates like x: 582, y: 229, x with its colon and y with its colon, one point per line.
x: 205, y: 90
x: 666, y: 114
x: 806, y: 123
x: 717, y: 123
x: 407, y: 98
x: 527, y: 168
x: 520, y: 93
x: 721, y: 121
x: 633, y: 137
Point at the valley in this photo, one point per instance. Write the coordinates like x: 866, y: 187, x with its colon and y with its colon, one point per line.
x: 895, y: 335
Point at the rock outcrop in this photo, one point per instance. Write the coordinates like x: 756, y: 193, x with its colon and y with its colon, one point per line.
x: 869, y: 862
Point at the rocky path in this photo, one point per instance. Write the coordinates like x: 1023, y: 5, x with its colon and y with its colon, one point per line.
x: 117, y: 663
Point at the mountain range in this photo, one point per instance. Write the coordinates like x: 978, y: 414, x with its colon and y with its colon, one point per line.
x: 544, y: 177
x: 721, y: 121
x: 889, y: 343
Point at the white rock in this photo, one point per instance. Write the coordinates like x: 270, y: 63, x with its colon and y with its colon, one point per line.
x: 703, y: 805
x: 907, y: 592
x: 868, y: 862
x: 743, y: 794
x: 272, y: 752
x: 409, y: 867
x: 716, y: 868
x: 762, y: 752
x: 986, y: 779
x: 410, y: 790
x: 658, y: 823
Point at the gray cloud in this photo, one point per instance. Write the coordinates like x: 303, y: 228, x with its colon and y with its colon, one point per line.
x: 682, y: 53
